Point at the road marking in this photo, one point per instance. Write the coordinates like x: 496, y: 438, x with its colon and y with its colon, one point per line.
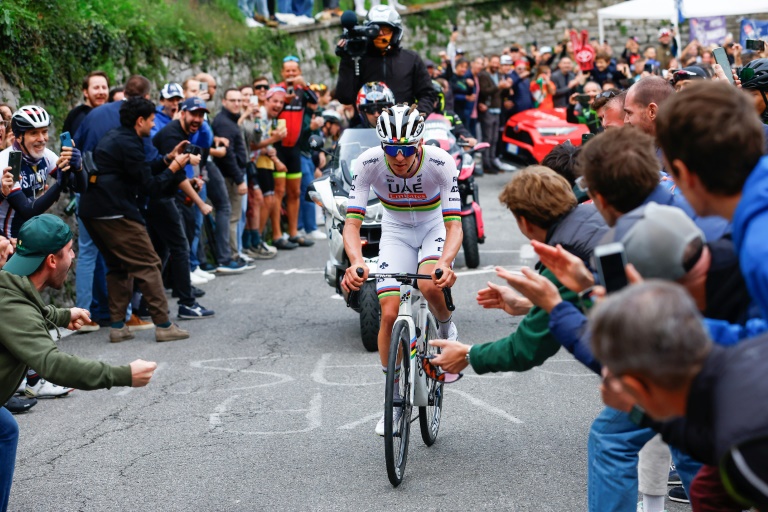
x: 337, y: 297
x: 314, y: 418
x: 318, y: 373
x: 361, y: 421
x: 488, y: 407
x: 270, y: 271
x: 160, y: 366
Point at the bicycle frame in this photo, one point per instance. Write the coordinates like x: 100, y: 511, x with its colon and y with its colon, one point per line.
x: 418, y: 396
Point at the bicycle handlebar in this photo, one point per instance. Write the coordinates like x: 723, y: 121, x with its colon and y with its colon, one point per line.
x: 404, y: 276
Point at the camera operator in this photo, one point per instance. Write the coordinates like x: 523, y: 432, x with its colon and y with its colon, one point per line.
x: 374, y: 49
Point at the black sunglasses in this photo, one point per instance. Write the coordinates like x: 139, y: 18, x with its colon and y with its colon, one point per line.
x: 606, y: 94
x: 263, y: 87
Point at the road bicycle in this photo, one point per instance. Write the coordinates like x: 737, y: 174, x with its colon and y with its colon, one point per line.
x: 414, y: 327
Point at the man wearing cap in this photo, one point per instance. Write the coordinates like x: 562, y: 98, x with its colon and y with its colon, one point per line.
x: 686, y: 76
x: 110, y: 211
x: 170, y: 97
x: 43, y: 258
x: 666, y: 49
x: 170, y: 230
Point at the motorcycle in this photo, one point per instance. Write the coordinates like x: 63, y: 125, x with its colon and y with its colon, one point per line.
x: 331, y: 193
x: 437, y: 131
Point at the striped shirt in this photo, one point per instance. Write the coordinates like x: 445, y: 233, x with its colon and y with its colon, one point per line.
x: 432, y: 192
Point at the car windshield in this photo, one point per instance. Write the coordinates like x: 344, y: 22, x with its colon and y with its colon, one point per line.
x: 352, y: 144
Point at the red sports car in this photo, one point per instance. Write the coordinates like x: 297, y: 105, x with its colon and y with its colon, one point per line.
x: 531, y: 135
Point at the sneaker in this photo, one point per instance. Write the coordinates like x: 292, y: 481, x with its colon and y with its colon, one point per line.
x: 207, y: 267
x: 171, y: 333
x: 678, y: 494
x: 247, y: 259
x: 135, y: 323
x: 252, y: 23
x: 18, y: 405
x: 205, y: 275
x: 301, y: 240
x: 317, y: 235
x: 247, y: 265
x: 194, y: 311
x: 196, y: 293
x: 22, y: 386
x: 122, y: 334
x: 674, y: 478
x: 262, y: 252
x: 233, y: 267
x: 45, y: 389
x: 196, y: 279
x: 453, y: 332
x: 641, y: 509
x: 90, y: 327
x: 284, y: 244
x: 397, y: 412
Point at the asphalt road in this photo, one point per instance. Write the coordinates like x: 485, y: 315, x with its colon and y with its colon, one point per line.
x: 272, y: 406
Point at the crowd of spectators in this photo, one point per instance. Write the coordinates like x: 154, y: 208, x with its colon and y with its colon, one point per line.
x: 203, y: 184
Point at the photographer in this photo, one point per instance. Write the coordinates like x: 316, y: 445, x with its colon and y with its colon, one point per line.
x: 381, y: 59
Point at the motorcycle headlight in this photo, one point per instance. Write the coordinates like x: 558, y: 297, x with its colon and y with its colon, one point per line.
x: 341, y: 205
x: 373, y: 213
x: 556, y: 131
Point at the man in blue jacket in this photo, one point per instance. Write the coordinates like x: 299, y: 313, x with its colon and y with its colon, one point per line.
x: 716, y: 158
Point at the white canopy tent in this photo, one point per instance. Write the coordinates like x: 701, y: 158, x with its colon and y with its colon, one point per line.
x: 667, y: 10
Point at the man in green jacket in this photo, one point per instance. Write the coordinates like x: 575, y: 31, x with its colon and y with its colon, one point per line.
x: 43, y: 258
x: 546, y: 210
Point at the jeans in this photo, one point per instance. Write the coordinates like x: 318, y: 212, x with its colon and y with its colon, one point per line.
x: 241, y: 222
x: 284, y: 6
x: 166, y: 230
x: 307, y: 213
x: 90, y: 276
x: 9, y: 439
x: 303, y: 7
x: 489, y: 125
x: 261, y: 8
x: 612, y: 452
x: 217, y: 193
x: 246, y: 7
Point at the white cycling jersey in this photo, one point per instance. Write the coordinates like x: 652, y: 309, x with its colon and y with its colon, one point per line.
x: 415, y: 210
x: 432, y: 193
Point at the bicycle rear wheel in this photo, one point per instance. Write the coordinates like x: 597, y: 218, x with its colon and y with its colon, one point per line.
x: 429, y: 416
x: 397, y: 429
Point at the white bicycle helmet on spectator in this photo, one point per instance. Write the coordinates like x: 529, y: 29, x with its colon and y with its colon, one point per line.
x: 385, y: 15
x: 29, y: 117
x: 400, y: 125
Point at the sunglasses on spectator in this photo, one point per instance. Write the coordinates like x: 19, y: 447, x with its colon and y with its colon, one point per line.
x: 373, y: 109
x: 435, y: 373
x: 394, y: 150
x: 261, y: 87
x: 606, y: 94
x: 582, y: 184
x: 291, y: 58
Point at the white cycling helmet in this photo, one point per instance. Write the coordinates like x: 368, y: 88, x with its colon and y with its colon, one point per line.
x: 400, y: 124
x: 29, y: 117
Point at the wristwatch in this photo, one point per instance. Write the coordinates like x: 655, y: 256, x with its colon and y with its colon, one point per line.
x: 466, y: 357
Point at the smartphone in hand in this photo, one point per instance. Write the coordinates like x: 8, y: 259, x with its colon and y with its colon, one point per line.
x: 66, y: 140
x: 722, y: 58
x: 611, y: 260
x: 14, y: 162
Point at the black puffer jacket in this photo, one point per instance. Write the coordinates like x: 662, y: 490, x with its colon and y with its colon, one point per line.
x: 402, y: 70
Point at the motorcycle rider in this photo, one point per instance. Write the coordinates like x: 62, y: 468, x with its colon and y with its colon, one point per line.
x: 372, y: 99
x: 385, y: 61
x: 416, y: 184
x: 457, y: 127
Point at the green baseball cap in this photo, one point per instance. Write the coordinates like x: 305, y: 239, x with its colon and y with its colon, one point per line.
x: 38, y: 237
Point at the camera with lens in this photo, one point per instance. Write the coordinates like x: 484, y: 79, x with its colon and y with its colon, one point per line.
x: 192, y: 149
x: 356, y: 36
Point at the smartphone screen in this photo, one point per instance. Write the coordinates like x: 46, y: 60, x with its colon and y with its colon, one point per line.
x: 722, y: 59
x: 203, y: 86
x: 755, y: 45
x: 66, y: 140
x: 254, y: 100
x: 14, y: 162
x: 610, y: 267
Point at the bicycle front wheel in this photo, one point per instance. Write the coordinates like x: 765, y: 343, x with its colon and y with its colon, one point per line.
x: 397, y: 409
x: 429, y: 416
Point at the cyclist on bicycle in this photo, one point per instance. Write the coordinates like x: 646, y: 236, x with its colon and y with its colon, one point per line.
x: 417, y: 185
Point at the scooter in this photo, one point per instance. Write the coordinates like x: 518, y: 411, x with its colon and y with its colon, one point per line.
x: 331, y: 193
x: 437, y: 131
